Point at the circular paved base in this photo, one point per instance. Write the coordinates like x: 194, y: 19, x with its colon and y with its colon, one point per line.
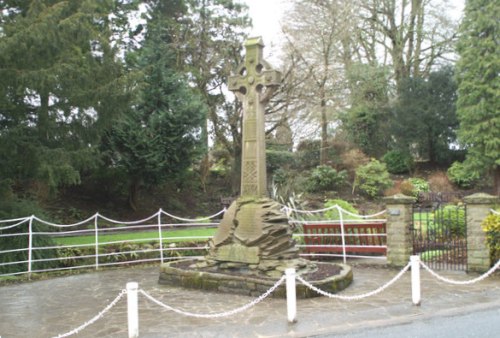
x: 249, y: 284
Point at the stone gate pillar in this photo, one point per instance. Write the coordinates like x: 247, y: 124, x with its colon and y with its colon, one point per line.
x: 478, y: 206
x: 399, y: 236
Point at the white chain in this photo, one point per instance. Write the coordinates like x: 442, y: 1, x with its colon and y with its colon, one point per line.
x: 495, y: 212
x: 97, y: 317
x: 451, y: 281
x: 216, y: 315
x: 356, y: 297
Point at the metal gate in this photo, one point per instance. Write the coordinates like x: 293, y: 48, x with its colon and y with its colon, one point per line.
x: 440, y: 236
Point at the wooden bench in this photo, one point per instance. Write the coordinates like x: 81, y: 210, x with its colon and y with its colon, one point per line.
x: 360, y: 238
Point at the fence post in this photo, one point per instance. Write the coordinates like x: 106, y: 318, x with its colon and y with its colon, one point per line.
x: 291, y: 296
x: 342, y: 233
x: 96, y: 230
x: 160, y: 236
x: 132, y: 310
x: 30, y: 245
x: 415, y: 279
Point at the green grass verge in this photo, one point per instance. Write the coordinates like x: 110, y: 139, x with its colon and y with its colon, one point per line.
x: 431, y: 255
x: 136, y: 236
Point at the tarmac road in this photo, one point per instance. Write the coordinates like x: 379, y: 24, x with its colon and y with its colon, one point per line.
x: 481, y: 324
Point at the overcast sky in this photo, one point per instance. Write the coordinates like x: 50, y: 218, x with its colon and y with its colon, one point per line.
x: 267, y: 15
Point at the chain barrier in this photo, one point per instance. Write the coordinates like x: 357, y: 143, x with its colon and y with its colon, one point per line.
x: 221, y: 314
x: 494, y: 212
x: 271, y: 290
x: 356, y: 297
x: 96, y: 318
x: 455, y: 282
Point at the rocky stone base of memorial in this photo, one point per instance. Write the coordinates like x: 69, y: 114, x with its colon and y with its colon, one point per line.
x: 251, y: 250
x: 330, y: 277
x: 254, y: 234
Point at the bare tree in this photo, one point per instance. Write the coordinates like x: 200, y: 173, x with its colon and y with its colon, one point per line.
x: 325, y: 38
x: 410, y: 35
x: 315, y: 33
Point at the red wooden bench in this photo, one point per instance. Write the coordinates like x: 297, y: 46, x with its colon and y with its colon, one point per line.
x: 360, y: 238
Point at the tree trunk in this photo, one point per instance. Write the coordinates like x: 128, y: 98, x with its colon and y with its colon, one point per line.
x: 43, y: 117
x: 323, y: 153
x: 133, y: 195
x: 496, y: 181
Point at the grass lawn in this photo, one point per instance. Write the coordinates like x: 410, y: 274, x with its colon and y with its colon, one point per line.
x: 141, y: 236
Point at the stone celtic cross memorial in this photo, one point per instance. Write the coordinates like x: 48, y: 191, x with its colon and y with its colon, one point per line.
x: 254, y: 234
x: 253, y: 242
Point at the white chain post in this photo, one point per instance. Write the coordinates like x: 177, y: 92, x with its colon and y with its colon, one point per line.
x: 291, y: 296
x: 415, y: 279
x: 132, y: 310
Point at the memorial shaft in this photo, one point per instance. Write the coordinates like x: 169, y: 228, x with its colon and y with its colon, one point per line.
x: 253, y: 85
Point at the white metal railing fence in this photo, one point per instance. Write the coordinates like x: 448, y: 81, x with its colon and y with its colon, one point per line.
x: 99, y: 248
x: 290, y: 277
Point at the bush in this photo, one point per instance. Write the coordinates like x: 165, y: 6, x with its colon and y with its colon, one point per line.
x: 276, y: 159
x: 461, y: 176
x: 413, y: 186
x: 373, y: 178
x: 308, y: 154
x: 333, y: 214
x: 439, y: 182
x: 16, y: 208
x: 352, y: 159
x: 419, y: 185
x: 285, y: 183
x: 398, y: 162
x: 406, y: 188
x: 491, y: 226
x: 324, y: 178
x: 452, y: 218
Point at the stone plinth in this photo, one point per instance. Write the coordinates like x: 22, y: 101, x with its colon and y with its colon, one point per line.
x: 192, y: 276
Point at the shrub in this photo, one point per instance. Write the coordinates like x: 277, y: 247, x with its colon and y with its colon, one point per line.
x: 398, y: 162
x: 406, y: 188
x: 439, y: 182
x: 276, y: 159
x: 285, y: 183
x: 334, y: 213
x: 461, y: 176
x: 308, y: 154
x: 325, y: 178
x: 491, y: 226
x: 373, y: 178
x: 419, y: 185
x: 352, y: 159
x: 451, y: 218
x: 21, y: 242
